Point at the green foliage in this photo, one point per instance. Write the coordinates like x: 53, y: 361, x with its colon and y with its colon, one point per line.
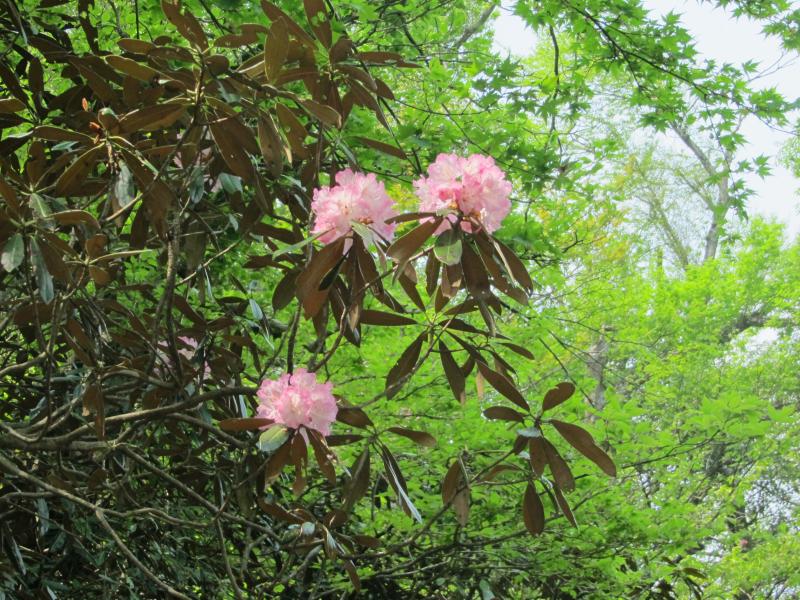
x: 173, y: 202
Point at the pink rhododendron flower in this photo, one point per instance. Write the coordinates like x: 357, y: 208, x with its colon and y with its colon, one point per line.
x: 298, y: 400
x: 355, y: 198
x: 475, y: 186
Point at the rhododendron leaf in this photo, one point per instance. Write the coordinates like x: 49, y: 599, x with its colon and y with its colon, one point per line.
x: 323, y: 455
x: 284, y: 291
x: 380, y: 57
x: 518, y: 349
x: 134, y: 69
x: 272, y: 438
x: 503, y: 413
x: 274, y: 13
x: 452, y: 279
x: 564, y: 506
x: 501, y: 365
x: 475, y: 274
x: 363, y: 97
x: 10, y: 105
x: 296, y: 246
x: 330, y: 545
x: 536, y: 455
x: 487, y: 318
x: 151, y: 118
x: 358, y: 483
x: 335, y: 518
x: 318, y: 19
x: 412, y: 216
x: 404, y: 248
x: 419, y: 437
x: 185, y: 23
x: 448, y: 247
x: 295, y: 131
x: 533, y: 511
x: 383, y: 147
x: 404, y: 365
x: 503, y: 385
x: 451, y: 481
x: 158, y: 196
x: 453, y: 373
x: 398, y: 483
x: 71, y: 180
x: 343, y: 439
x: 323, y: 113
x: 278, y: 512
x: 328, y: 280
x: 49, y: 132
x: 367, y: 541
x: 352, y: 574
x: 308, y: 282
x: 492, y: 474
x: 230, y: 136
x: 582, y: 441
x: 562, y: 392
x: 455, y: 491
x: 276, y: 49
x: 411, y: 291
x: 558, y: 467
x: 236, y: 40
x: 359, y: 74
x: 363, y: 230
x: 44, y: 280
x: 461, y: 325
x: 299, y: 456
x: 270, y: 143
x: 13, y: 252
x: 245, y: 424
x: 519, y: 445
x: 351, y: 415
x: 514, y: 265
x: 377, y: 317
x: 341, y: 49
x: 94, y: 404
x: 432, y: 267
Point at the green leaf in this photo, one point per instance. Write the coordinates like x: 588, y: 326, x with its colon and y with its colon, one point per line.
x: 448, y: 247
x: 44, y: 280
x: 13, y: 253
x: 273, y: 438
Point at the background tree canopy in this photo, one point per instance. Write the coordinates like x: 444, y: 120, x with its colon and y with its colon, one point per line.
x: 597, y: 400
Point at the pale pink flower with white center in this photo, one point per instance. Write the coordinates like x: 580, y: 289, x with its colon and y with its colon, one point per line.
x: 298, y: 400
x: 474, y: 186
x: 355, y: 198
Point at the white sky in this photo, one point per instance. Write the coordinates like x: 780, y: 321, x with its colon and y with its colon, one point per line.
x: 724, y: 39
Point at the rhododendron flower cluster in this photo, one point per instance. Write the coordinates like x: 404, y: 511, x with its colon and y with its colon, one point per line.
x: 298, y: 400
x: 474, y: 186
x: 355, y: 198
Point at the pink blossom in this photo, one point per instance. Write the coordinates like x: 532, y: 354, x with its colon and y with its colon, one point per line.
x: 473, y: 186
x: 355, y: 198
x: 298, y: 400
